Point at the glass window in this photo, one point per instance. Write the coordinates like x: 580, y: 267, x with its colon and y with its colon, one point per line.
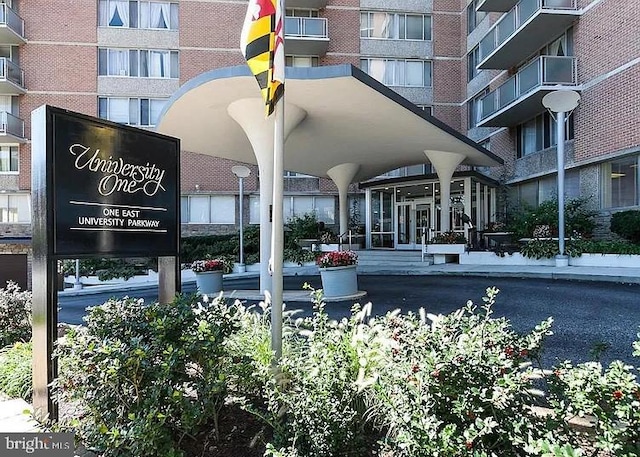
x: 9, y: 159
x: 138, y: 14
x: 199, y: 209
x: 395, y: 26
x: 474, y: 17
x: 474, y: 108
x: 620, y: 183
x: 223, y: 209
x: 301, y: 61
x: 254, y: 209
x: 135, y: 62
x: 15, y: 208
x: 392, y: 72
x: 325, y: 209
x: 540, y: 133
x: 473, y: 59
x: 133, y: 111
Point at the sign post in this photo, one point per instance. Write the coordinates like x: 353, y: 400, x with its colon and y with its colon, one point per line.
x: 100, y: 189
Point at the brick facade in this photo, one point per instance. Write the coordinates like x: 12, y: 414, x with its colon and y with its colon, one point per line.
x: 60, y: 63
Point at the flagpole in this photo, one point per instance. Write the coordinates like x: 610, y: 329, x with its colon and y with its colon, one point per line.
x: 277, y: 227
x: 277, y: 230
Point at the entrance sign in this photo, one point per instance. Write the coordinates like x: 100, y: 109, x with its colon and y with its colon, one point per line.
x: 99, y: 189
x: 115, y: 189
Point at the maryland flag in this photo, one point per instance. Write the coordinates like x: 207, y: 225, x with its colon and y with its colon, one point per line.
x: 262, y: 44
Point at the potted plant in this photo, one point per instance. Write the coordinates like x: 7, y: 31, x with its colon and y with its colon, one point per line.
x: 446, y: 244
x: 208, y: 275
x: 338, y: 273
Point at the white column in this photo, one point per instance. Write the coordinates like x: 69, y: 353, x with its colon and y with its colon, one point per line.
x: 445, y: 164
x: 249, y: 114
x: 342, y: 175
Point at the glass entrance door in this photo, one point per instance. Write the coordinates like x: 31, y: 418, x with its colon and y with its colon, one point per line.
x: 411, y: 217
x: 423, y: 220
x: 405, y: 225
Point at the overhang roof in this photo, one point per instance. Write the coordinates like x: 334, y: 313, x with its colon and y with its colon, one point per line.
x: 351, y: 118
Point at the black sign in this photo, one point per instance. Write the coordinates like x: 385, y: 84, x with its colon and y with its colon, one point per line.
x: 115, y: 188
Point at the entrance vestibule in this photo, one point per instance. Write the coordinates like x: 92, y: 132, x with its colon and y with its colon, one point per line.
x: 400, y: 213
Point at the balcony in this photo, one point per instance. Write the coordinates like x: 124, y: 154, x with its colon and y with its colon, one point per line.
x: 307, y: 4
x: 11, y: 27
x: 520, y: 97
x: 524, y: 30
x: 306, y: 36
x: 11, y: 128
x: 11, y: 78
x: 496, y: 5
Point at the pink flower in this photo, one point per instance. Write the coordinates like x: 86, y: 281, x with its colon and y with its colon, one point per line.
x: 337, y: 259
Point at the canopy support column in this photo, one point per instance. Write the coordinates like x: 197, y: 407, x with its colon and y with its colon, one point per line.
x: 249, y: 114
x: 445, y: 164
x: 342, y: 175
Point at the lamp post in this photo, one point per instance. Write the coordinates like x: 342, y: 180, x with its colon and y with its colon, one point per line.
x: 561, y: 102
x: 241, y: 172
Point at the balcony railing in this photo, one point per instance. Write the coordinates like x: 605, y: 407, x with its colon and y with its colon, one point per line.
x: 306, y: 27
x: 11, y: 125
x: 9, y: 18
x: 545, y: 70
x: 515, y: 18
x: 11, y: 72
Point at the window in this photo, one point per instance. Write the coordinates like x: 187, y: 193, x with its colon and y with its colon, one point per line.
x: 535, y: 192
x: 9, y: 159
x: 298, y: 205
x: 620, y: 183
x: 138, y: 63
x: 474, y: 17
x: 395, y: 26
x: 298, y: 12
x: 540, y: 133
x: 132, y: 111
x: 15, y: 208
x: 138, y: 14
x: 473, y: 58
x: 474, y: 108
x: 301, y: 61
x: 393, y: 72
x: 208, y: 209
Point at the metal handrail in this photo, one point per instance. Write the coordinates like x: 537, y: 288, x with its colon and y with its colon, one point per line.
x: 311, y: 27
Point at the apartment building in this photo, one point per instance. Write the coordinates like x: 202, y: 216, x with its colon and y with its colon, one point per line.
x: 481, y: 66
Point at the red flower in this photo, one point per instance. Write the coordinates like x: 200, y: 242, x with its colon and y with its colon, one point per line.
x: 509, y: 351
x: 524, y: 352
x: 337, y: 259
x: 617, y: 394
x: 469, y: 445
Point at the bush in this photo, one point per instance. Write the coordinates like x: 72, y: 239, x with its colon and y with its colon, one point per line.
x: 106, y: 269
x: 579, y: 218
x: 627, y: 225
x: 459, y: 385
x: 313, y: 402
x: 15, y: 314
x: 146, y: 377
x: 15, y: 371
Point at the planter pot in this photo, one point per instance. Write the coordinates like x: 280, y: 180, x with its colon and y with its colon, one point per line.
x: 322, y: 247
x: 339, y: 281
x: 446, y: 248
x: 209, y: 282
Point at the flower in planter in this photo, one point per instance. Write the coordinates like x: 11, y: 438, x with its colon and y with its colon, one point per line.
x: 337, y: 259
x: 449, y: 237
x: 203, y: 266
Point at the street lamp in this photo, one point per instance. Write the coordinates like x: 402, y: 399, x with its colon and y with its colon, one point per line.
x: 561, y: 102
x: 241, y: 172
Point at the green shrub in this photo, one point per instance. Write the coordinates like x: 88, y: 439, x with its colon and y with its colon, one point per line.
x: 606, y: 247
x: 15, y: 314
x: 146, y: 377
x: 106, y: 269
x: 459, y: 385
x: 610, y: 396
x: 15, y: 371
x: 627, y: 225
x: 540, y: 249
x: 579, y: 218
x: 313, y: 402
